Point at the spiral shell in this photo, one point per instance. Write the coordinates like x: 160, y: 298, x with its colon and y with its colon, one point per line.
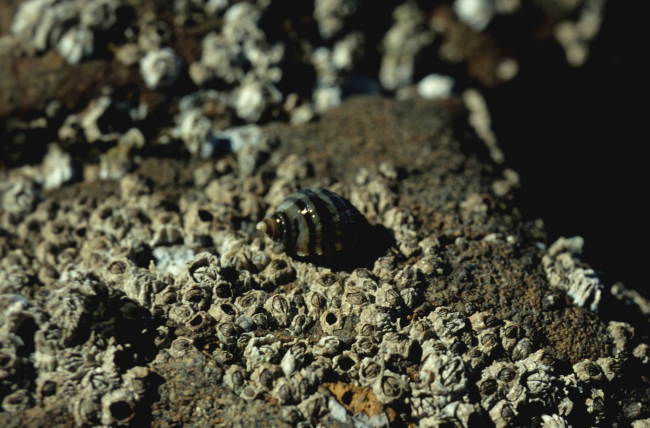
x: 315, y: 222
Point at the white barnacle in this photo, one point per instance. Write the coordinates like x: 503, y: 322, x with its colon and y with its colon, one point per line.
x: 160, y: 68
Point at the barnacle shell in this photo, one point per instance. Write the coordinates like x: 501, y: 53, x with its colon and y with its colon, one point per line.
x: 16, y: 401
x: 588, y: 371
x: 283, y: 391
x: 235, y: 378
x: 224, y: 312
x: 523, y: 349
x: 420, y: 331
x: 554, y: 421
x: 301, y: 323
x: 326, y: 346
x: 265, y: 376
x: 347, y: 363
x: 315, y: 222
x: 596, y: 404
x: 252, y: 302
x: 364, y: 346
x: 118, y: 407
x: 280, y: 308
x: 315, y: 406
x: 279, y: 272
x: 445, y: 322
x: 262, y: 350
x: 395, y: 346
x: 390, y: 387
x: 502, y: 414
x: 181, y: 313
x: 370, y: 370
x: 509, y: 335
x: 444, y: 375
x: 160, y: 68
x: 317, y: 302
x: 291, y: 414
x: 228, y: 332
x: 388, y: 297
x: 199, y: 322
x: 293, y: 358
x: 354, y: 301
x: 410, y: 297
x: 331, y: 321
x: 180, y: 347
x: 610, y: 367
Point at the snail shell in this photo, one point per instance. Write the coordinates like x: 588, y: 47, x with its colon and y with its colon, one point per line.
x: 315, y: 222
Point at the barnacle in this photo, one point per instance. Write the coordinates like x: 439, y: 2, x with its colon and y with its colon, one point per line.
x: 279, y: 307
x: 224, y: 312
x: 227, y: 332
x: 347, y: 363
x: 252, y: 302
x: 180, y: 347
x: 395, y: 346
x: 294, y: 358
x: 326, y: 346
x: 370, y: 369
x: 562, y: 271
x: 261, y: 350
x: 235, y: 378
x: 265, y: 376
x: 389, y: 387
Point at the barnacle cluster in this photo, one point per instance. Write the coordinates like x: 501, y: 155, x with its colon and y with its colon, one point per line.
x: 104, y: 282
x: 247, y: 63
x: 277, y: 326
x: 69, y: 26
x: 561, y: 265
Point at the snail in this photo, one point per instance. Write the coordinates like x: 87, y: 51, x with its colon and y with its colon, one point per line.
x: 315, y: 222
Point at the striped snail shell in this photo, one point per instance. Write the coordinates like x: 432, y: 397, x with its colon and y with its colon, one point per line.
x: 315, y: 222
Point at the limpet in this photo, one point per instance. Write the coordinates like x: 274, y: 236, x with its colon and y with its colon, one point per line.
x: 315, y: 222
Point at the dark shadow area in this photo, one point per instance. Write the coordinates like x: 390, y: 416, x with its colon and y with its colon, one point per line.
x: 143, y: 415
x: 364, y: 255
x: 574, y: 135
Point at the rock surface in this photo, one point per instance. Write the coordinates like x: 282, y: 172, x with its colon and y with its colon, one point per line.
x: 455, y: 276
x: 143, y: 141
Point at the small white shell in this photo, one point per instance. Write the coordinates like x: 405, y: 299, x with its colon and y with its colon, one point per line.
x: 180, y: 347
x: 160, y: 68
x: 279, y: 307
x: 265, y: 375
x: 326, y: 346
x: 122, y: 399
x: 235, y: 378
x: 390, y: 387
x: 261, y: 350
x: 446, y: 322
x: 370, y: 369
x: 395, y: 346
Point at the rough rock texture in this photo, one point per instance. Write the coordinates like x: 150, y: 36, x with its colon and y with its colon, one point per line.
x: 143, y: 140
x: 449, y: 315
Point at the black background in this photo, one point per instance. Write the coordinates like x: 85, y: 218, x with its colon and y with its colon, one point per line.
x: 577, y: 138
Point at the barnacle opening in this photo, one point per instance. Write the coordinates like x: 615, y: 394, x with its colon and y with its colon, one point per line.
x: 121, y: 410
x: 331, y: 319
